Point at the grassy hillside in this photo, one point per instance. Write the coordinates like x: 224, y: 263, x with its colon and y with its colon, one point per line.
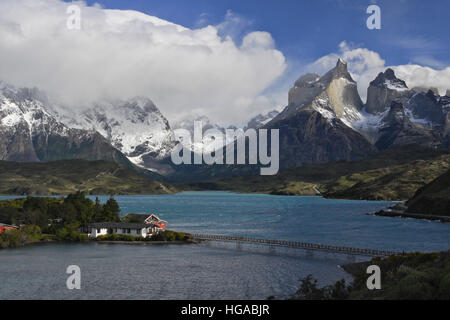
x: 434, y: 198
x: 342, y: 175
x: 68, y: 176
x: 391, y: 183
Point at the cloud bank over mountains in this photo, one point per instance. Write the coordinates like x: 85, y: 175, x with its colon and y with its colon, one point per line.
x: 122, y: 54
x: 186, y: 72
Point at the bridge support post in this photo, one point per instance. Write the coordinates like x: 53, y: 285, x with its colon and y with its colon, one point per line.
x: 272, y: 249
x: 238, y: 245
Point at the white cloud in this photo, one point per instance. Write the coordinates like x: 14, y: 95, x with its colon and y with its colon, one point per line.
x: 364, y: 65
x: 122, y: 54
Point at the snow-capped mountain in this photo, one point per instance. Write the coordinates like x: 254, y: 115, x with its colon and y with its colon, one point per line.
x: 208, y: 143
x: 334, y: 95
x: 396, y: 115
x: 136, y: 127
x: 316, y: 125
x: 29, y: 131
x: 261, y: 119
x: 326, y: 120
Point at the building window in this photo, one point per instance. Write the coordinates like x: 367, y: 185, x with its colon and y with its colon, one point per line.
x: 98, y: 230
x: 124, y: 230
x: 128, y: 230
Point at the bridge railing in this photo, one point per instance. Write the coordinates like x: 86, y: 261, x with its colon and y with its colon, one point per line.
x: 294, y: 244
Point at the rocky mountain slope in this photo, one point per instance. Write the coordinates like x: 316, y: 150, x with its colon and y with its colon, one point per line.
x: 136, y: 127
x: 30, y: 133
x: 326, y: 119
x: 395, y: 115
x: 261, y: 119
x: 315, y: 127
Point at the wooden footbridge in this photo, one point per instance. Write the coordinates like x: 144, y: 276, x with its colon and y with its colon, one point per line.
x: 295, y: 245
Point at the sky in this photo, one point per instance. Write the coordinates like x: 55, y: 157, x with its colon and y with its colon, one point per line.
x: 228, y: 60
x: 412, y: 30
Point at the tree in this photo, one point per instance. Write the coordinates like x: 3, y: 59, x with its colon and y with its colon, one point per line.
x: 111, y: 210
x: 98, y: 211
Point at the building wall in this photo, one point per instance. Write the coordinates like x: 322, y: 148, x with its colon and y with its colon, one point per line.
x: 121, y: 231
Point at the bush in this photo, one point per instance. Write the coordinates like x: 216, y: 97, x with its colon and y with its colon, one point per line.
x: 119, y: 237
x: 16, y: 238
x: 70, y: 233
x: 309, y: 290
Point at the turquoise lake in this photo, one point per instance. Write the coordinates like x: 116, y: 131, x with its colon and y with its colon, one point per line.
x: 216, y: 271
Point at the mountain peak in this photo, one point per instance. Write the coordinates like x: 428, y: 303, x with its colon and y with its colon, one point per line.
x: 388, y: 80
x: 340, y: 71
x: 341, y: 62
x: 383, y: 90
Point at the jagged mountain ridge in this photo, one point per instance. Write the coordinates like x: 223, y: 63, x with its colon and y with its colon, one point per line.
x: 30, y: 133
x: 136, y: 127
x: 315, y: 127
x: 393, y: 115
x: 324, y: 121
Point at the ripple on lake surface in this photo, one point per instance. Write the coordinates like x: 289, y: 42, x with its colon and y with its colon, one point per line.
x: 208, y: 272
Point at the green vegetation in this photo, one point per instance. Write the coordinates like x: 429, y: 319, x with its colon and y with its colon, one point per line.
x: 20, y: 237
x: 392, y: 183
x: 389, y: 175
x: 57, y: 218
x: 164, y: 236
x: 69, y: 176
x: 434, y: 198
x: 416, y: 276
x: 310, y: 291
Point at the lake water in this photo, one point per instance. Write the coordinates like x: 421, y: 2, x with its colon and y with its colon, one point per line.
x: 216, y: 271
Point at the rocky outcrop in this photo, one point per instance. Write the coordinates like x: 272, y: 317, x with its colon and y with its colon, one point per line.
x: 427, y: 106
x: 316, y: 125
x: 397, y: 129
x: 385, y: 89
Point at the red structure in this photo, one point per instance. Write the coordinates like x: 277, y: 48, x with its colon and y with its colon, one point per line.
x: 6, y: 227
x: 157, y: 222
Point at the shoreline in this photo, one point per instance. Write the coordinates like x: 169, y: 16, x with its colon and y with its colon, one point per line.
x: 90, y: 242
x: 405, y: 215
x: 142, y: 243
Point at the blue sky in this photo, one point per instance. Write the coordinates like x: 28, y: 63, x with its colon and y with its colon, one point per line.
x: 413, y: 31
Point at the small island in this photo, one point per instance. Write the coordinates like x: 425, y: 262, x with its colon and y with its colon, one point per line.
x: 75, y: 218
